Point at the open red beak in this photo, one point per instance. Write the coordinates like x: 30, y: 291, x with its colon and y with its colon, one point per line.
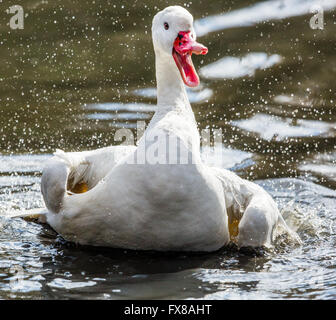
x: 184, y: 47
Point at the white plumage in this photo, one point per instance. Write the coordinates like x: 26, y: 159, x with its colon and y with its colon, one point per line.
x: 189, y: 207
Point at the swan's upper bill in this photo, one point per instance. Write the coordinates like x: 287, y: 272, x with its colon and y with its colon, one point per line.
x: 174, y: 35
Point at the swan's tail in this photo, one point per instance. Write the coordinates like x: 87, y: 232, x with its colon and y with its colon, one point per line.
x: 38, y: 215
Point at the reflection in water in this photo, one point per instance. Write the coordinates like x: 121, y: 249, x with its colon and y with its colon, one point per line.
x: 278, y: 128
x: 118, y: 116
x: 96, y: 61
x: 122, y: 112
x: 321, y: 165
x: 223, y: 157
x: 135, y: 107
x: 195, y: 95
x: 259, y: 12
x: 232, y: 67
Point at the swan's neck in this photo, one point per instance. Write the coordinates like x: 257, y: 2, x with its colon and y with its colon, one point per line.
x: 172, y: 100
x: 171, y: 92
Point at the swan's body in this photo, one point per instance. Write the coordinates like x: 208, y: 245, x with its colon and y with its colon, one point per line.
x: 153, y: 206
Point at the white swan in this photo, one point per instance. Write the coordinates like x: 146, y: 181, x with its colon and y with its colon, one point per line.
x: 164, y: 205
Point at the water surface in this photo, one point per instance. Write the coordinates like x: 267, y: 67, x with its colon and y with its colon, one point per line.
x: 79, y: 71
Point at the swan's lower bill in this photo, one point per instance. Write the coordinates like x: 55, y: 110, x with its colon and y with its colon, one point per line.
x: 184, y: 47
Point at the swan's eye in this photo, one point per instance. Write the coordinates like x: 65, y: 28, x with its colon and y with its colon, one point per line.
x: 166, y: 25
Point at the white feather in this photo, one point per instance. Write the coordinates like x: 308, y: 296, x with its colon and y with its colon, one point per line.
x: 78, y: 166
x: 152, y: 206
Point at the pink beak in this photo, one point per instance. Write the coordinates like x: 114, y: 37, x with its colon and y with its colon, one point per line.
x: 184, y: 46
x: 184, y: 43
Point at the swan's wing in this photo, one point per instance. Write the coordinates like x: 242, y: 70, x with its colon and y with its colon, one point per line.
x: 251, y: 206
x: 92, y: 166
x: 76, y: 165
x: 237, y: 192
x: 54, y: 183
x: 68, y: 170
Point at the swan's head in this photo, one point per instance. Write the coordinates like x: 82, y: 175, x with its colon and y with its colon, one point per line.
x: 174, y: 37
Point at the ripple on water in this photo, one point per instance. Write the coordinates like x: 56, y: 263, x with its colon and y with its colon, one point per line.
x: 322, y: 166
x: 116, y: 106
x: 292, y: 100
x: 259, y: 12
x: 60, y: 283
x: 234, y: 67
x: 224, y: 157
x: 120, y: 115
x: 22, y: 163
x: 273, y: 127
x: 195, y: 95
x: 20, y: 181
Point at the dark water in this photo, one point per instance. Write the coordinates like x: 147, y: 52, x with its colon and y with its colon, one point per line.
x: 79, y: 71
